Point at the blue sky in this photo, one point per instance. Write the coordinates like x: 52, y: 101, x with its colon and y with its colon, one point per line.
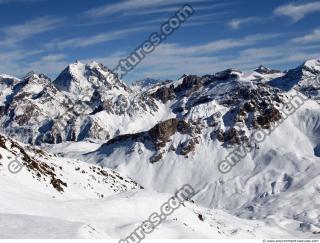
x: 45, y: 35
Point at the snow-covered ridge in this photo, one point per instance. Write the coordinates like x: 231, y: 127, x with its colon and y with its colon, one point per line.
x: 81, y: 103
x: 61, y: 177
x: 304, y: 78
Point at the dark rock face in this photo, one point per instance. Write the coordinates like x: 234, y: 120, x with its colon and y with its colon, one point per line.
x: 158, y: 137
x: 189, y: 146
x: 165, y: 93
x: 183, y: 127
x: 232, y: 136
x: 189, y: 85
x: 155, y: 158
x: 62, y: 82
x: 190, y: 82
x: 165, y: 129
x: 121, y: 138
x: 249, y: 106
x: 270, y: 115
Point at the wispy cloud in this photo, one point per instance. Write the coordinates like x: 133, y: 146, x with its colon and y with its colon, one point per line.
x: 275, y: 55
x: 85, y: 41
x: 21, y: 61
x: 297, y: 11
x: 313, y: 37
x: 16, y: 33
x: 164, y: 65
x: 170, y: 9
x: 11, y: 61
x: 131, y: 6
x: 173, y: 59
x: 216, y: 46
x: 19, y: 1
x: 237, y: 23
x: 48, y: 64
x: 16, y: 55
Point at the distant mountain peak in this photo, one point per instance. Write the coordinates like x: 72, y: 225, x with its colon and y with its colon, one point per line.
x: 309, y: 68
x: 78, y: 77
x: 312, y: 66
x: 146, y: 83
x: 265, y: 70
x: 29, y: 74
x: 227, y: 74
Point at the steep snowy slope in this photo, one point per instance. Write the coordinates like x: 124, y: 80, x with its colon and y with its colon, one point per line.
x: 305, y: 78
x: 55, y: 176
x: 54, y: 197
x: 7, y: 83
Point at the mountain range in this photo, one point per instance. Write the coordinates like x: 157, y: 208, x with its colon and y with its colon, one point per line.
x: 96, y: 151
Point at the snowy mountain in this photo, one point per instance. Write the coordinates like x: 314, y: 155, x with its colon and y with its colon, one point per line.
x: 304, y: 78
x: 262, y: 183
x: 164, y: 135
x: 73, y: 107
x: 147, y: 83
x: 265, y: 70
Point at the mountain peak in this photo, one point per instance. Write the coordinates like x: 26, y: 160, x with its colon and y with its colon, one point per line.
x: 312, y: 65
x: 146, y: 83
x: 309, y: 68
x: 265, y: 70
x: 227, y: 74
x: 79, y: 77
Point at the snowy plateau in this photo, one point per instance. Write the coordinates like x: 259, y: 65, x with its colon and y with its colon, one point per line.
x: 100, y: 156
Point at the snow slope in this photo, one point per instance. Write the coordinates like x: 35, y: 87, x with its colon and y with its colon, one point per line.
x: 99, y: 203
x: 279, y: 178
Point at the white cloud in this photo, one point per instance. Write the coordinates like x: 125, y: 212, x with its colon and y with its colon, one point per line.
x: 16, y: 55
x: 18, y: 63
x: 134, y: 5
x: 297, y: 11
x: 164, y: 65
x: 19, y: 1
x: 173, y: 60
x: 237, y: 23
x: 313, y: 37
x: 216, y: 46
x: 171, y: 9
x: 11, y: 61
x: 93, y: 40
x: 48, y: 64
x: 16, y: 33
